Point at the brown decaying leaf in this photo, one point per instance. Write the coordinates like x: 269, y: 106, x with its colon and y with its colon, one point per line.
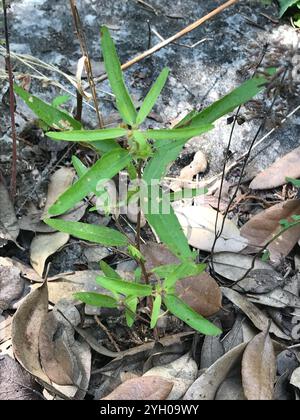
x: 259, y: 369
x: 263, y: 227
x: 9, y: 228
x: 207, y: 385
x: 144, y: 388
x: 276, y: 174
x: 26, y: 325
x: 11, y: 283
x: 201, y: 293
x: 43, y: 246
x: 16, y: 383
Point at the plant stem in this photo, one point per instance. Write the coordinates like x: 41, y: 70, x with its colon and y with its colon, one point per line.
x: 13, y: 184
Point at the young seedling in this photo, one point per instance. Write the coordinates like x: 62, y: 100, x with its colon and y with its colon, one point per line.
x: 146, y: 155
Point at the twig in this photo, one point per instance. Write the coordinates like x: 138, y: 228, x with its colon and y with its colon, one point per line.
x: 110, y: 337
x: 13, y: 184
x: 88, y: 65
x: 173, y: 38
x: 182, y: 45
x: 148, y: 6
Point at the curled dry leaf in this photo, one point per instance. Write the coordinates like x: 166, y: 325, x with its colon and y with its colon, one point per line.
x: 144, y: 388
x: 259, y: 369
x: 207, y: 385
x: 277, y: 298
x: 43, y: 246
x: 266, y: 225
x: 198, y: 165
x: 295, y: 379
x: 11, y: 283
x: 201, y: 293
x: 198, y: 223
x: 258, y: 318
x: 16, y: 383
x: 182, y: 372
x: 9, y: 227
x: 276, y: 174
x: 26, y: 326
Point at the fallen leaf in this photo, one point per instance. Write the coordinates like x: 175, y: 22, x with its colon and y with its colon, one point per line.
x: 156, y: 255
x: 259, y: 369
x: 234, y: 266
x: 201, y: 293
x: 235, y: 337
x: 43, y: 246
x: 198, y: 223
x: 276, y: 174
x: 266, y: 225
x: 16, y: 383
x: 182, y: 372
x: 231, y: 390
x: 26, y: 326
x: 277, y: 298
x: 258, y: 318
x: 5, y: 330
x: 9, y: 227
x: 11, y: 283
x: 295, y: 379
x: 144, y: 388
x: 207, y: 385
x: 212, y: 350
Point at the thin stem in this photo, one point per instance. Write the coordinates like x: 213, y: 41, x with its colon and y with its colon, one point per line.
x: 13, y: 184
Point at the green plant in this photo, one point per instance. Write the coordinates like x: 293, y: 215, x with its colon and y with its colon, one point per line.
x: 146, y: 154
x: 291, y: 6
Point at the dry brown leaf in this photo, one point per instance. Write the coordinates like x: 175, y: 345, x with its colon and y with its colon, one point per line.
x: 43, y: 246
x: 259, y: 369
x: 276, y: 174
x: 202, y: 293
x: 11, y: 283
x: 198, y: 223
x: 144, y: 388
x: 258, y: 318
x: 182, y: 372
x: 9, y: 227
x: 207, y: 385
x: 263, y: 227
x: 156, y: 255
x: 26, y: 326
x: 231, y: 390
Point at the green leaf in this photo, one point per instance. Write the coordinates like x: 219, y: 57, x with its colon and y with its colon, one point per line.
x: 155, y: 311
x: 143, y: 148
x: 170, y: 149
x: 183, y: 271
x: 93, y: 233
x: 105, y: 146
x: 152, y: 96
x: 107, y: 167
x: 295, y: 182
x: 266, y: 256
x: 60, y: 100
x: 180, y: 309
x: 108, y: 271
x: 55, y: 118
x: 95, y: 299
x: 285, y: 5
x: 125, y: 287
x: 88, y: 135
x: 160, y: 214
x: 135, y: 253
x: 79, y: 167
x: 178, y: 133
x: 130, y: 302
x: 116, y: 79
x: 187, y: 193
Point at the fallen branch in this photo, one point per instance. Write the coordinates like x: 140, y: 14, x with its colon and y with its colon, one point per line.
x: 13, y: 183
x: 173, y: 38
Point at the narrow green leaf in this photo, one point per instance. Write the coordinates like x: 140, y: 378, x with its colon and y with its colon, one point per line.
x: 107, y: 167
x: 96, y: 299
x: 50, y: 115
x: 143, y: 148
x: 179, y: 133
x: 295, y: 182
x: 79, y: 167
x: 155, y: 311
x: 285, y: 5
x: 152, y: 96
x: 125, y: 287
x: 108, y: 271
x: 93, y: 233
x: 88, y: 135
x: 180, y: 309
x: 183, y: 271
x: 116, y: 79
x: 160, y: 214
x: 60, y: 100
x: 169, y: 150
x: 105, y: 146
x: 131, y: 302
